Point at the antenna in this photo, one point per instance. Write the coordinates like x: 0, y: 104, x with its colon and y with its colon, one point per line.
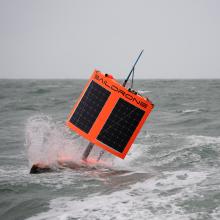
x: 132, y: 70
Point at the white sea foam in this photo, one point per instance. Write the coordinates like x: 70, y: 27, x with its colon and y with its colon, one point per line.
x: 147, y: 200
x: 133, y: 154
x: 194, y: 103
x: 216, y: 214
x: 47, y: 141
x: 168, y: 151
x: 191, y: 110
x: 188, y: 111
x: 144, y: 91
x: 203, y: 140
x: 159, y: 197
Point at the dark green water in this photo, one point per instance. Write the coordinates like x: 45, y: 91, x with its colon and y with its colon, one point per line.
x: 174, y: 163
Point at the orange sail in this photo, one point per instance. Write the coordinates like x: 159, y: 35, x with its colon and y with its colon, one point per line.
x: 108, y: 114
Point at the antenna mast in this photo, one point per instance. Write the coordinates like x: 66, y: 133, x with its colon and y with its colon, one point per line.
x: 132, y: 70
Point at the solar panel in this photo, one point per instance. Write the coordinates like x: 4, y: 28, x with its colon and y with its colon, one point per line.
x: 120, y: 125
x: 90, y: 106
x: 108, y: 114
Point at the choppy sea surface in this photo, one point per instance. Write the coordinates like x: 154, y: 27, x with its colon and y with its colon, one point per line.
x: 171, y: 172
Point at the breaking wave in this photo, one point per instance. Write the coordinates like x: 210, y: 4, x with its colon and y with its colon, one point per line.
x: 163, y: 194
x: 148, y: 199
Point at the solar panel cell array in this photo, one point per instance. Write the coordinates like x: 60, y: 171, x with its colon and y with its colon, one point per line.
x: 89, y: 107
x: 120, y: 125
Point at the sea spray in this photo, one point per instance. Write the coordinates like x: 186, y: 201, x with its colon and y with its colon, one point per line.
x: 47, y: 141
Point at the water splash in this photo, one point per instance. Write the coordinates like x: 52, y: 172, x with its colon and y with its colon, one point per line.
x: 53, y: 144
x: 47, y: 141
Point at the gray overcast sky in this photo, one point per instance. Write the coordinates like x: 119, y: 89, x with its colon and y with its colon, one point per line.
x: 70, y: 38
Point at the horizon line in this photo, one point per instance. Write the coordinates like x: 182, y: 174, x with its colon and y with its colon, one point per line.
x: 116, y: 79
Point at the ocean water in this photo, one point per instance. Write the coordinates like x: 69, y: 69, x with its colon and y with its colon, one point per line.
x: 171, y: 172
